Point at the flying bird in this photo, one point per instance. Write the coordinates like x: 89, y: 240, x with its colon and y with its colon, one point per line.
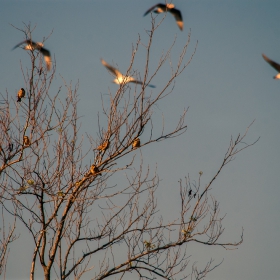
x: 30, y: 45
x: 163, y: 8
x: 21, y: 94
x: 120, y: 78
x: 275, y: 65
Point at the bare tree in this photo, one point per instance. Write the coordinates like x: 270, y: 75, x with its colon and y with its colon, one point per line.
x: 7, y: 237
x: 83, y: 223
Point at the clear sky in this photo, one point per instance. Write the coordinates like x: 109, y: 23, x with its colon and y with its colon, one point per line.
x: 226, y: 87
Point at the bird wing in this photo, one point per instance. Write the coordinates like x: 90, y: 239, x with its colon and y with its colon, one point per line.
x: 178, y: 16
x: 136, y: 82
x: 140, y: 82
x: 275, y: 65
x: 116, y: 72
x: 47, y: 56
x: 159, y: 5
x: 25, y: 41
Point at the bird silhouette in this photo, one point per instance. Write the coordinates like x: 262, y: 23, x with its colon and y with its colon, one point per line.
x: 120, y: 78
x: 21, y: 94
x: 136, y: 143
x: 94, y: 170
x: 30, y: 45
x: 26, y: 141
x: 163, y: 8
x: 10, y: 147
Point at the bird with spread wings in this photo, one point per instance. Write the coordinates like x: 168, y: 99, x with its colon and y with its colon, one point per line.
x: 163, y: 8
x: 30, y: 45
x: 275, y: 65
x: 120, y: 78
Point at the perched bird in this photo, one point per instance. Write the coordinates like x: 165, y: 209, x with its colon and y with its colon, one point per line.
x: 30, y: 45
x: 193, y: 219
x: 30, y: 182
x: 26, y: 141
x: 149, y: 245
x: 186, y: 233
x: 21, y: 94
x: 136, y: 143
x: 22, y: 188
x: 275, y: 65
x: 61, y: 194
x: 163, y: 8
x: 10, y: 147
x: 190, y: 192
x: 120, y: 78
x: 79, y: 183
x: 104, y: 146
x: 94, y: 170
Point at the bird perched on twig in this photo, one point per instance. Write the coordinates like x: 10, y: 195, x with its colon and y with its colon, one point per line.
x: 136, y: 143
x: 104, y: 146
x: 26, y: 141
x: 61, y: 194
x: 163, y: 8
x: 10, y: 147
x: 21, y: 94
x: 149, y: 245
x: 120, y: 78
x: 22, y: 189
x: 94, y: 170
x: 275, y: 65
x: 30, y: 45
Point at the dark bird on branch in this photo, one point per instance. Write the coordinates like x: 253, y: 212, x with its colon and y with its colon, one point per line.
x: 26, y: 141
x: 136, y: 143
x: 21, y: 94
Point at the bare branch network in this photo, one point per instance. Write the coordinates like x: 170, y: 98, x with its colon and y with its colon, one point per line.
x: 84, y: 225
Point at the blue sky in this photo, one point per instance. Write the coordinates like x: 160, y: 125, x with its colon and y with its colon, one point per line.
x: 226, y: 86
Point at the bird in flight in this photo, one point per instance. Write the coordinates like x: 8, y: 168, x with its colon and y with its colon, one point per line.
x: 30, y: 45
x: 163, y: 8
x: 275, y: 65
x: 120, y: 78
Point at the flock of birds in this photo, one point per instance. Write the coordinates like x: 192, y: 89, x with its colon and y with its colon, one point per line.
x: 119, y: 77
